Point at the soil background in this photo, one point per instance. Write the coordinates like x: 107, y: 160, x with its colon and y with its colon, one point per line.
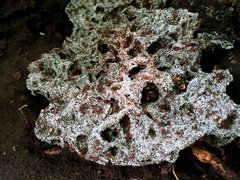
x: 22, y: 24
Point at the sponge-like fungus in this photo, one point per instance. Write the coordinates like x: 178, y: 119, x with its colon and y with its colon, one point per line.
x: 127, y: 87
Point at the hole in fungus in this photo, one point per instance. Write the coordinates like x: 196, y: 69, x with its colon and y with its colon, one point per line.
x: 40, y: 66
x: 135, y: 70
x: 101, y: 74
x: 82, y: 138
x: 90, y: 78
x: 100, y: 87
x: 131, y: 18
x: 125, y: 125
x: 49, y: 72
x: 168, y: 3
x: 114, y: 60
x: 147, y: 4
x: 174, y: 35
x: 62, y: 55
x: 115, y: 132
x: 99, y: 9
x: 150, y: 94
x: 129, y: 41
x: 233, y: 91
x: 184, y: 27
x: 130, y: 13
x: 155, y: 46
x: 109, y: 134
x: 152, y: 133
x: 114, y: 106
x: 164, y: 68
x: 58, y: 132
x: 137, y: 49
x: 38, y: 101
x: 103, y: 48
x: 187, y: 109
x: 226, y: 123
x: 112, y: 151
x: 149, y: 115
x: 94, y: 62
x: 55, y: 141
x: 135, y: 4
x: 94, y: 20
x: 211, y: 59
x: 75, y: 70
x: 181, y: 82
x: 84, y: 152
x: 160, y: 67
x: 164, y: 107
x: 114, y: 13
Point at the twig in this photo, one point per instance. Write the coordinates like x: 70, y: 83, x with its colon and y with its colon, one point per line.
x: 20, y: 109
x: 173, y: 171
x: 206, y: 157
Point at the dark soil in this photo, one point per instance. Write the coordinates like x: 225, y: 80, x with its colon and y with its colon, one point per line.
x: 21, y: 154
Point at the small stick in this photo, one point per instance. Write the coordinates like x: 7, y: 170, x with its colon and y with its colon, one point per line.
x: 173, y: 171
x: 206, y: 157
x: 20, y: 109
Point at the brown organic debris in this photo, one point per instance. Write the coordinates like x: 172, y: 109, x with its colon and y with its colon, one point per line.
x: 205, y: 156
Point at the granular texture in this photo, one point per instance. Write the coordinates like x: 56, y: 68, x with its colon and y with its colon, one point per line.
x: 127, y: 87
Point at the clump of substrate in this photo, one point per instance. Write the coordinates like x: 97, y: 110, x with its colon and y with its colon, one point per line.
x: 127, y: 87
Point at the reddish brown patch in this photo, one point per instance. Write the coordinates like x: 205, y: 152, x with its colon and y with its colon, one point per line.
x: 82, y: 137
x: 97, y: 110
x: 100, y: 87
x: 53, y: 151
x: 128, y: 136
x: 57, y: 110
x: 211, y: 103
x: 219, y: 78
x: 83, y: 107
x: 85, y: 88
x: 178, y: 133
x: 98, y: 148
x: 145, y: 78
x: 74, y: 94
x: 187, y: 43
x: 194, y: 49
x: 132, y: 156
x: 117, y: 130
x: 83, y: 153
x: 211, y: 113
x: 58, y: 120
x: 145, y: 33
x: 108, y: 154
x: 58, y: 133
x: 164, y: 131
x: 217, y: 118
x: 115, y: 88
x: 116, y: 44
x: 174, y: 16
x: 173, y: 33
x: 93, y: 158
x: 97, y: 142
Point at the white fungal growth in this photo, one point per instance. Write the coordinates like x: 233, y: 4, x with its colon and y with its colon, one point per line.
x: 127, y: 87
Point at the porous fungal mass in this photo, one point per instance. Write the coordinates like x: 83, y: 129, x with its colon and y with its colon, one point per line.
x: 127, y: 87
